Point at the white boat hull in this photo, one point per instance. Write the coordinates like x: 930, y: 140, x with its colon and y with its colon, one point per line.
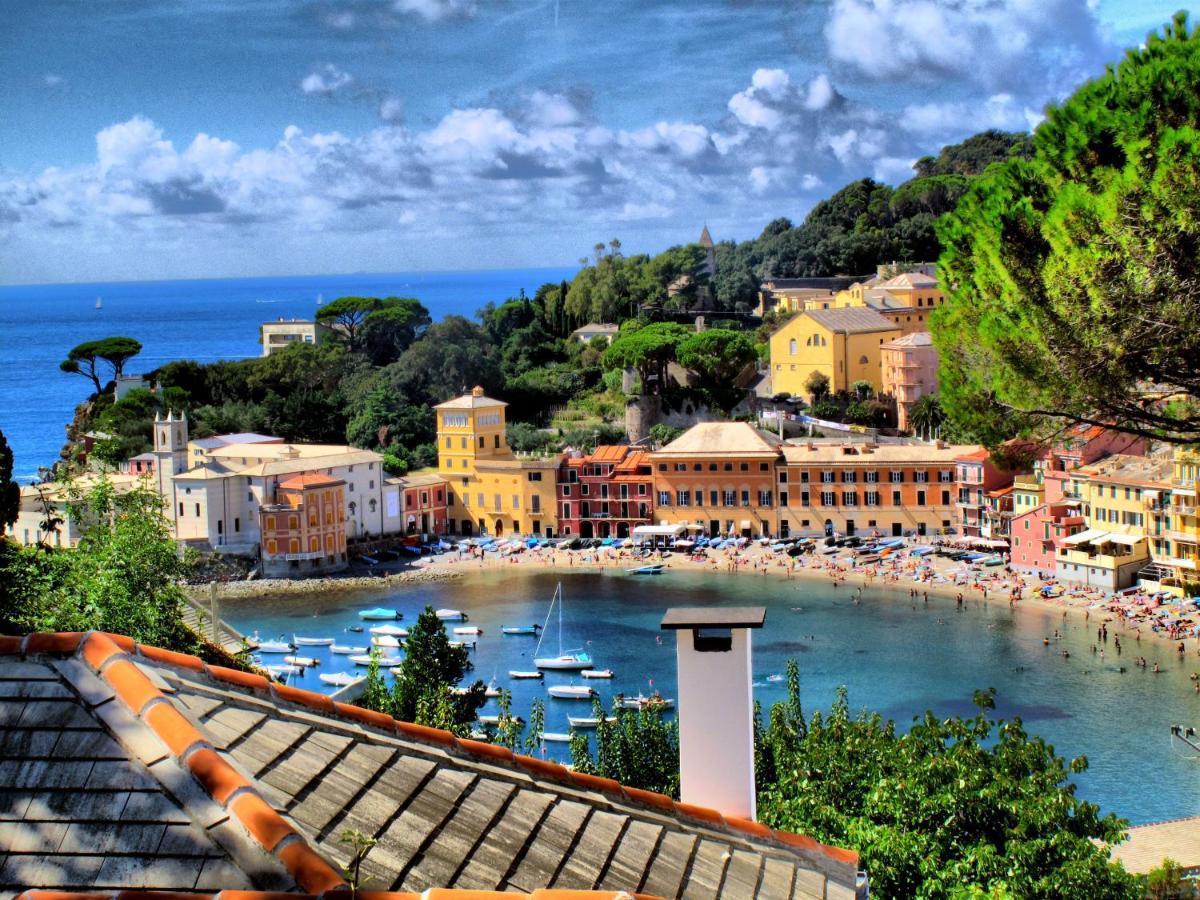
x: 300, y: 661
x: 468, y: 629
x: 347, y: 650
x: 524, y: 675
x: 390, y: 630
x: 588, y: 722
x: 385, y: 640
x: 563, y: 663
x: 571, y: 693
x: 312, y: 642
x: 556, y: 736
x: 275, y: 647
x: 384, y: 661
x: 597, y: 673
x: 451, y: 615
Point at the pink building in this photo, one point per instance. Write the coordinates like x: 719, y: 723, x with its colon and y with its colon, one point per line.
x: 1081, y: 446
x: 978, y: 477
x: 1038, y: 527
x: 908, y: 371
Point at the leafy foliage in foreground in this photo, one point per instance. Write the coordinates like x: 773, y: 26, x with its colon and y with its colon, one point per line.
x: 1071, y: 276
x: 639, y: 749
x: 951, y: 806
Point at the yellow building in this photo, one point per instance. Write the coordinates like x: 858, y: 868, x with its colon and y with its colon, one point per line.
x: 491, y: 489
x: 1182, y: 535
x: 843, y: 344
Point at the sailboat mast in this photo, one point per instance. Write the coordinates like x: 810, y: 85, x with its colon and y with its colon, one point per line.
x: 558, y: 593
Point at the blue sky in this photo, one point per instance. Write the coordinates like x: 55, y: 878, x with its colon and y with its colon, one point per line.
x: 241, y: 137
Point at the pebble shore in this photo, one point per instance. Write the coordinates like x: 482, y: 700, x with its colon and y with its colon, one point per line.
x: 276, y: 587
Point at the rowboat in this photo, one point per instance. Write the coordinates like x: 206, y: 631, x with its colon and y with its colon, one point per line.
x: 641, y: 701
x: 588, y: 721
x: 559, y: 736
x: 392, y: 630
x: 597, y: 673
x: 468, y: 629
x: 653, y: 569
x: 275, y: 647
x: 520, y: 629
x: 571, y: 691
x: 386, y: 640
x: 300, y: 661
x: 346, y: 649
x: 311, y: 642
x: 365, y: 660
x: 516, y: 673
x: 451, y: 615
x: 380, y: 614
x: 340, y: 679
x: 573, y: 660
x: 282, y: 672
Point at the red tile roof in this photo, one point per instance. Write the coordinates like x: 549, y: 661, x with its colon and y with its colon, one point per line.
x: 115, y: 660
x: 309, y: 480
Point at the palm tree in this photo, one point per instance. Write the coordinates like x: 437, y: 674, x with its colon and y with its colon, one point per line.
x: 926, y: 416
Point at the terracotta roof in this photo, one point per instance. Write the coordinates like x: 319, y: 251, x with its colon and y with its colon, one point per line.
x: 472, y: 400
x: 980, y: 455
x: 844, y: 453
x: 915, y: 339
x: 308, y: 480
x: 850, y: 320
x: 418, y: 479
x: 608, y: 453
x: 125, y: 765
x: 910, y: 280
x: 721, y: 439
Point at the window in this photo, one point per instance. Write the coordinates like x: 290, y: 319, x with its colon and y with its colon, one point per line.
x: 783, y: 498
x: 516, y: 501
x: 729, y: 498
x: 585, y: 489
x: 850, y: 498
x: 728, y: 467
x: 945, y: 498
x: 764, y: 498
x: 827, y: 477
x: 496, y: 497
x: 872, y: 498
x: 482, y: 504
x: 697, y: 467
x: 945, y: 476
x: 745, y: 498
x: 683, y: 498
x: 481, y: 440
x: 804, y: 501
x: 566, y: 514
x: 828, y: 499
x: 197, y: 510
x: 181, y: 511
x: 712, y: 467
x: 804, y: 476
x: 849, y: 477
x: 535, y: 476
x: 896, y: 476
x: 680, y: 467
x: 664, y: 498
x: 871, y: 476
x: 662, y: 467
x: 783, y: 478
x: 764, y: 467
x: 713, y: 498
x: 745, y: 467
x: 497, y: 441
x: 371, y: 504
x: 535, y: 504
x: 371, y: 484
x: 895, y: 498
x: 792, y: 346
x: 920, y: 476
x: 920, y: 498
x: 352, y: 487
x: 566, y: 490
x: 643, y: 489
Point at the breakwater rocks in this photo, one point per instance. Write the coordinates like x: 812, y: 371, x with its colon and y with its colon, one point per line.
x: 274, y: 587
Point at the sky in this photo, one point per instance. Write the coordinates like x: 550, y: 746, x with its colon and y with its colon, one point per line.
x: 145, y: 139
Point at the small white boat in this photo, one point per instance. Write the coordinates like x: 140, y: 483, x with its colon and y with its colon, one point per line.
x: 451, y: 615
x: 518, y: 674
x: 571, y: 691
x: 340, y: 679
x: 470, y: 645
x: 385, y: 661
x: 347, y: 649
x: 393, y: 630
x: 386, y: 640
x: 565, y: 661
x: 495, y: 720
x: 275, y: 647
x: 468, y: 629
x: 311, y: 642
x: 774, y: 679
x: 597, y: 673
x: 653, y: 569
x: 282, y: 672
x: 641, y: 701
x: 304, y: 661
x: 588, y: 721
x: 380, y: 614
x: 491, y: 690
x: 556, y: 736
x: 521, y: 629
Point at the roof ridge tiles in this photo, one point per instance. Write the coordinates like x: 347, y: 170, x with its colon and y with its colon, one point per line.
x: 227, y: 786
x: 430, y: 894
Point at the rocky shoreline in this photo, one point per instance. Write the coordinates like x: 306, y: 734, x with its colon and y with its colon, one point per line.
x: 263, y: 587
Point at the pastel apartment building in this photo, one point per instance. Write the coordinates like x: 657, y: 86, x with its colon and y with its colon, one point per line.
x: 1038, y: 527
x: 423, y: 499
x: 908, y: 371
x: 980, y: 484
x: 491, y: 490
x: 835, y: 487
x: 304, y: 528
x: 605, y: 493
x: 844, y: 345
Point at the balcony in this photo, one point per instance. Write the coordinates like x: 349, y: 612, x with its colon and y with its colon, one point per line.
x: 1183, y: 537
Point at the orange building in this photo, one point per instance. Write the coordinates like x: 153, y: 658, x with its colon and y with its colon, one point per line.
x: 908, y: 371
x: 864, y: 488
x: 423, y: 502
x: 719, y: 476
x: 304, y: 529
x: 605, y: 493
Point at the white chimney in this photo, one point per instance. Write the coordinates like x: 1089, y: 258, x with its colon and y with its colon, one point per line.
x: 716, y: 705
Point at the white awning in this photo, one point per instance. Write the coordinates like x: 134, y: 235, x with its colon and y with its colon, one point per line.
x: 1128, y: 540
x: 658, y: 530
x: 1091, y: 534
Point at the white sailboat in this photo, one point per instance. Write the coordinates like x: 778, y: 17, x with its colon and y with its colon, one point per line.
x: 571, y: 692
x: 99, y: 305
x: 573, y: 660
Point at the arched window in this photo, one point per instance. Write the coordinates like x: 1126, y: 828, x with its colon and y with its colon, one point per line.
x: 353, y: 507
x: 792, y: 346
x: 808, y: 342
x: 862, y: 361
x: 372, y: 503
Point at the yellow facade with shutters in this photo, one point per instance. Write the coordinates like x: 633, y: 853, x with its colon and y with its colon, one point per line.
x: 491, y: 490
x: 1184, y: 533
x: 842, y: 344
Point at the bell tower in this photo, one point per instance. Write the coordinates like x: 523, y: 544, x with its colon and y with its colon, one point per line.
x: 170, y: 450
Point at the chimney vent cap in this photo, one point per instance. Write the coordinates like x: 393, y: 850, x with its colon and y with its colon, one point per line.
x: 680, y: 617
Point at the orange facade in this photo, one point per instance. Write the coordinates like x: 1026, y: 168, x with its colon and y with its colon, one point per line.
x: 304, y: 530
x: 726, y: 495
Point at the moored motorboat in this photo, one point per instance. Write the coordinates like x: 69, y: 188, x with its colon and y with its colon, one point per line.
x: 340, y: 679
x: 347, y: 649
x: 275, y: 647
x: 393, y: 630
x: 520, y: 629
x: 385, y: 661
x: 495, y: 720
x: 641, y: 701
x: 557, y: 736
x: 380, y: 614
x: 470, y: 645
x: 280, y: 673
x: 311, y: 641
x: 571, y: 691
x: 305, y: 661
x: 468, y: 629
x: 588, y: 721
x: 653, y: 569
x: 451, y: 615
x: 520, y: 675
x: 386, y: 640
x: 597, y: 673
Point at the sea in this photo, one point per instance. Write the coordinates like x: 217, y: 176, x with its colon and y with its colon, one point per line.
x: 895, y: 655
x: 203, y: 320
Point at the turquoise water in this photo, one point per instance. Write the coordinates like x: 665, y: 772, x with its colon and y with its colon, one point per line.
x: 892, y: 657
x: 202, y: 320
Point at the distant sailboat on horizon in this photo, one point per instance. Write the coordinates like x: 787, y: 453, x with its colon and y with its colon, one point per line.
x: 99, y: 305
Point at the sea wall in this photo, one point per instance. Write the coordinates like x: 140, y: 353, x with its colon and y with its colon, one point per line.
x: 275, y: 587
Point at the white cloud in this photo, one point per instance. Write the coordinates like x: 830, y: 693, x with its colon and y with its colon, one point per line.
x: 391, y: 109
x: 325, y: 81
x: 820, y: 93
x: 632, y: 212
x: 1047, y: 45
x: 433, y: 10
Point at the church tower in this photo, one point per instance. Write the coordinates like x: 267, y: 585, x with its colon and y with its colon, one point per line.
x: 170, y: 450
x: 710, y: 253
